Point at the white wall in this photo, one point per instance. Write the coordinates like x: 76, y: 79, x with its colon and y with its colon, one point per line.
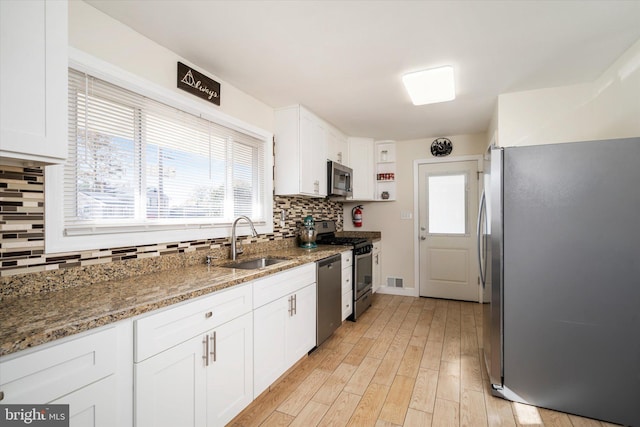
x: 99, y: 35
x: 397, y: 234
x: 605, y: 109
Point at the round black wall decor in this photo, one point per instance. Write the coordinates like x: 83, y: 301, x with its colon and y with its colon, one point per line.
x: 441, y: 147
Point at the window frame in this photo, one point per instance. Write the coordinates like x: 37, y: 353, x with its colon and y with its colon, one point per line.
x: 57, y: 240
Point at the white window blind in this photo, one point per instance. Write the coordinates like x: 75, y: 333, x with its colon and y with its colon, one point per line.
x: 136, y: 164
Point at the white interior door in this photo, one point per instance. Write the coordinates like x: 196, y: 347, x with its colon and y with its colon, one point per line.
x: 448, y: 210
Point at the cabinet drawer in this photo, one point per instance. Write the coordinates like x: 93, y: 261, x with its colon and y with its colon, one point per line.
x: 347, y: 259
x: 278, y: 285
x: 346, y: 279
x: 164, y: 329
x: 347, y: 304
x: 44, y: 375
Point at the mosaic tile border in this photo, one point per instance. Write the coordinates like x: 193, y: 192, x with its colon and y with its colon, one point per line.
x: 22, y: 239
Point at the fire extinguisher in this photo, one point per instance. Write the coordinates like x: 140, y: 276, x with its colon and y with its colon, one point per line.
x: 356, y: 216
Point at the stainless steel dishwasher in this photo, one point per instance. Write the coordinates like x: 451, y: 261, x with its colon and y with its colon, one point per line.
x: 329, y: 300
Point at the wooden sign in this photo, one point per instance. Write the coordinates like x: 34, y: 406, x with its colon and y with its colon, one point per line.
x: 198, y: 84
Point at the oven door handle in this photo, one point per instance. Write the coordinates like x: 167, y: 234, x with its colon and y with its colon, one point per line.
x: 368, y: 254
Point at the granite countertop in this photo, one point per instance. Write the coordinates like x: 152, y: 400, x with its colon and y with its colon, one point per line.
x: 31, y: 320
x: 373, y: 235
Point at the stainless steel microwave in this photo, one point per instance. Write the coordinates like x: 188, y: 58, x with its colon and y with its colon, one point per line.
x: 340, y: 179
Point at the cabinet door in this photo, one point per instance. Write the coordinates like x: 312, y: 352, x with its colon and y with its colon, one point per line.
x: 346, y: 279
x: 361, y: 159
x: 33, y: 80
x: 301, y: 325
x: 230, y: 370
x: 347, y: 286
x: 347, y: 304
x: 376, y: 278
x: 337, y: 148
x: 93, y: 405
x: 170, y: 387
x: 269, y: 331
x: 320, y: 160
x: 313, y: 157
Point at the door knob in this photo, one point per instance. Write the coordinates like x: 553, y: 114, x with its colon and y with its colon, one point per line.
x: 423, y: 238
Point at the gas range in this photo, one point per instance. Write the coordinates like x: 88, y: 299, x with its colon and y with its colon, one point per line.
x: 326, y: 236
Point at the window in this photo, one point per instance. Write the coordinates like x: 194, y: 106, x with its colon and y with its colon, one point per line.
x: 137, y: 165
x: 447, y: 204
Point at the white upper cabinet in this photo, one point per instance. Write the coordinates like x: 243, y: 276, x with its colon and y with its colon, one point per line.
x: 362, y: 162
x: 300, y: 153
x: 33, y: 81
x: 338, y: 148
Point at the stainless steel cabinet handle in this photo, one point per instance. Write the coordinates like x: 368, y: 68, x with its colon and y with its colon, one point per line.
x: 213, y: 344
x: 206, y: 350
x: 295, y: 304
x: 208, y: 314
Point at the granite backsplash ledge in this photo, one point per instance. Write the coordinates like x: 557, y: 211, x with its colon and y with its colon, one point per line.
x: 372, y: 235
x: 44, y: 281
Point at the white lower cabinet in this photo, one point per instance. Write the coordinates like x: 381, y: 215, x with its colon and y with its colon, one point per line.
x: 285, y: 330
x: 347, y: 286
x: 376, y: 272
x: 84, y: 372
x: 270, y: 325
x: 301, y: 328
x: 230, y: 372
x: 170, y: 387
x: 203, y: 381
x: 93, y: 406
x: 284, y: 325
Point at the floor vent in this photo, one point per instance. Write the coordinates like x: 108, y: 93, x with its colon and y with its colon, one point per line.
x: 395, y: 282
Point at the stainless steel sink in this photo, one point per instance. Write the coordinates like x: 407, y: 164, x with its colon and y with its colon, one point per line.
x: 254, y: 264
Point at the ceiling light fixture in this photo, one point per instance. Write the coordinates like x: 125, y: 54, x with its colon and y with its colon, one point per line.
x: 430, y: 86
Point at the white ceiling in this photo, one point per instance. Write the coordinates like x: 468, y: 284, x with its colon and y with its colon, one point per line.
x: 344, y: 59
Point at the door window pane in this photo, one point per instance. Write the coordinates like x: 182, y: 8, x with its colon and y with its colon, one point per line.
x: 447, y: 204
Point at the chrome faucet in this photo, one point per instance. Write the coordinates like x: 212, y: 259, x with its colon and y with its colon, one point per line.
x: 234, y: 250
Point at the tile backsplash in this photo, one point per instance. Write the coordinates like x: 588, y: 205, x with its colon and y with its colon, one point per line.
x: 22, y: 229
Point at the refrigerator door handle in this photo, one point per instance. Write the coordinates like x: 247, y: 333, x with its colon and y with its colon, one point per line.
x: 482, y: 211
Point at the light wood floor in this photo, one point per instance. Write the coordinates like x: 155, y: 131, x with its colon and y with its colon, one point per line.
x: 407, y: 361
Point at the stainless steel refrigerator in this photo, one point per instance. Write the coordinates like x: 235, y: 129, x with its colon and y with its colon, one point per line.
x: 559, y: 252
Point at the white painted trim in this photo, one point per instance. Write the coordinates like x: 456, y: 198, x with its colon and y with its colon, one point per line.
x: 407, y: 292
x: 416, y: 207
x: 55, y: 239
